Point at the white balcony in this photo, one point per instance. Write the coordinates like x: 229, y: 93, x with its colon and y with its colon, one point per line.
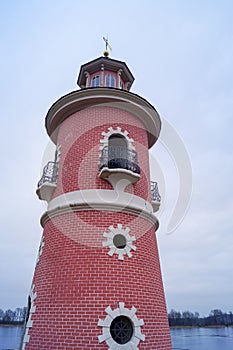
x: 48, y: 181
x: 119, y: 165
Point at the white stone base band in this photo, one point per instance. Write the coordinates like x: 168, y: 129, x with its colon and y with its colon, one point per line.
x: 100, y: 200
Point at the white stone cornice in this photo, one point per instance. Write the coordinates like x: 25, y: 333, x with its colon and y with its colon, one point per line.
x: 100, y: 200
x: 105, y: 97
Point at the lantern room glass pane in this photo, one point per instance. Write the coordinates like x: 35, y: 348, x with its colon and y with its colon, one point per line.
x: 110, y: 80
x: 95, y: 81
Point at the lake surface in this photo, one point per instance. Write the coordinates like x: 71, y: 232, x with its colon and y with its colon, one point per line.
x: 202, y: 338
x: 182, y: 339
x: 10, y: 337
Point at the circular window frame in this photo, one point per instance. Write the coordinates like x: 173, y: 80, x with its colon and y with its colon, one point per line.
x: 136, y: 337
x: 121, y: 329
x: 117, y: 250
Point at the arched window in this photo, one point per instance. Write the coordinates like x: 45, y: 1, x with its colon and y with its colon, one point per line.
x: 117, y: 140
x: 117, y: 152
x: 95, y: 82
x: 110, y: 80
x: 117, y: 147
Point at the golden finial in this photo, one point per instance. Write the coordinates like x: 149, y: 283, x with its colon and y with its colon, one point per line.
x: 106, y: 52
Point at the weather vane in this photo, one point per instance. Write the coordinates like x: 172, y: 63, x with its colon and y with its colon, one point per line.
x: 108, y: 46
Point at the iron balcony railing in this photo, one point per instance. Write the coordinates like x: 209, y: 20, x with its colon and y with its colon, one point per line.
x: 114, y: 157
x: 155, y: 192
x: 49, y: 174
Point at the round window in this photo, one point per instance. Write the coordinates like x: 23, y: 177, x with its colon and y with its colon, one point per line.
x: 119, y: 241
x: 121, y: 329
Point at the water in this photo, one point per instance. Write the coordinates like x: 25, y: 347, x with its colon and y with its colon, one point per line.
x: 10, y: 337
x: 202, y: 338
x: 182, y: 339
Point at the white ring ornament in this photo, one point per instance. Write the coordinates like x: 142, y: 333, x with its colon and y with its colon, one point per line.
x: 106, y: 324
x: 114, y: 232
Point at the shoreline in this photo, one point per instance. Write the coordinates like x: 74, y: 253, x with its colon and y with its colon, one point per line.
x: 211, y: 326
x: 11, y: 325
x: 171, y: 327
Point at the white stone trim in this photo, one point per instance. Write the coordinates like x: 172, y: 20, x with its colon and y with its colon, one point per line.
x: 119, y: 230
x: 58, y: 151
x: 29, y: 323
x: 93, y: 199
x: 117, y: 131
x: 102, y: 83
x: 45, y: 191
x: 121, y: 99
x: 88, y: 79
x: 119, y: 178
x: 103, y: 198
x: 119, y: 78
x: 40, y: 249
x: 106, y: 323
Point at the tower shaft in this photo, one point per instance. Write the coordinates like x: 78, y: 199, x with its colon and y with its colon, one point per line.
x: 97, y: 282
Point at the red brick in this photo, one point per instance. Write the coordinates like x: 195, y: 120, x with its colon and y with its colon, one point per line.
x: 75, y: 279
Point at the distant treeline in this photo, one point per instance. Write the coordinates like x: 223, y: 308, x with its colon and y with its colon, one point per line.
x: 186, y: 318
x: 181, y: 319
x: 13, y: 317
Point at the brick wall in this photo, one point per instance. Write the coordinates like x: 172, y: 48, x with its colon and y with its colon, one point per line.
x: 75, y: 280
x: 79, y: 137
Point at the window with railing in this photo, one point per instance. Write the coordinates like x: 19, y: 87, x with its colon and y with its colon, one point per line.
x: 114, y: 157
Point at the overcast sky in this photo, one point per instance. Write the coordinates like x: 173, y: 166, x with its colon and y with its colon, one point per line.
x: 181, y: 55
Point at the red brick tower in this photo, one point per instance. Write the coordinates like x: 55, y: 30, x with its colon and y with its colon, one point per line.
x: 97, y: 282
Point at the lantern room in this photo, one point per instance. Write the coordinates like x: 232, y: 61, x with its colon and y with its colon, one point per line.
x: 105, y: 72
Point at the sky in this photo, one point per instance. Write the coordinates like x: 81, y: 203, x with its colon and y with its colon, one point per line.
x: 181, y: 55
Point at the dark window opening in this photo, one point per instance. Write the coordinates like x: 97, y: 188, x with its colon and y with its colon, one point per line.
x: 121, y: 329
x: 117, y: 140
x: 28, y: 309
x: 119, y: 241
x: 117, y: 147
x: 117, y: 155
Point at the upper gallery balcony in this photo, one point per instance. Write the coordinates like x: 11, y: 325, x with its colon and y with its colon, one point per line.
x: 48, y: 181
x: 119, y: 160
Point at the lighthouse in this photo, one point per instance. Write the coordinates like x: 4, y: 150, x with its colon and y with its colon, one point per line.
x: 97, y: 282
